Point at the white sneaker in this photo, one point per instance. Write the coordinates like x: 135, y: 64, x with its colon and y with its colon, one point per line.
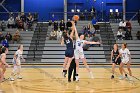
x: 19, y: 77
x: 91, y: 75
x: 77, y: 78
x: 121, y: 77
x: 12, y: 79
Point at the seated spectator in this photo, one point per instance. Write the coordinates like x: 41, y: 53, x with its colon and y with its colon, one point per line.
x: 3, y: 25
x: 59, y: 35
x: 138, y: 35
x: 16, y: 37
x: 5, y: 43
x: 82, y: 16
x: 128, y: 25
x: 122, y: 25
x: 1, y: 36
x: 112, y: 17
x: 128, y: 35
x: 11, y: 22
x: 8, y: 36
x: 55, y: 25
x: 62, y: 25
x: 53, y: 35
x: 120, y: 34
x: 20, y: 24
x: 29, y: 22
x: 95, y: 25
x: 68, y: 24
x: 23, y: 17
x: 117, y: 17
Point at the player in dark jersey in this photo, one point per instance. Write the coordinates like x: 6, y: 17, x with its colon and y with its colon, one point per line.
x: 115, y: 58
x: 69, y: 52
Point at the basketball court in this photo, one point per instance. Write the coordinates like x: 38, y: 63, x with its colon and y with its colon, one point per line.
x: 48, y: 79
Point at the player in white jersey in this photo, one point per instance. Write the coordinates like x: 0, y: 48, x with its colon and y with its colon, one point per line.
x: 79, y: 54
x: 126, y: 59
x: 17, y: 63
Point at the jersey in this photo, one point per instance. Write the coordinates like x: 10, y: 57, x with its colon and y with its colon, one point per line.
x: 115, y: 53
x: 125, y: 53
x: 69, y: 43
x: 79, y: 45
x: 18, y: 56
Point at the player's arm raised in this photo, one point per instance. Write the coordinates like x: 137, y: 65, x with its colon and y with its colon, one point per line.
x: 73, y: 29
x: 76, y: 33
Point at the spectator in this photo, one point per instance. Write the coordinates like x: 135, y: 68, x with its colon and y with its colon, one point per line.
x: 3, y: 25
x: 59, y: 35
x: 112, y: 17
x: 5, y: 43
x: 138, y: 35
x: 117, y: 17
x: 128, y: 35
x: 62, y: 25
x: 16, y: 37
x: 29, y: 22
x: 128, y: 25
x: 68, y: 24
x: 1, y: 36
x: 120, y: 34
x: 11, y: 22
x: 8, y: 36
x: 20, y: 24
x: 94, y: 21
x: 95, y: 25
x: 53, y: 35
x: 122, y: 25
x: 82, y: 16
x: 23, y: 17
x: 55, y: 25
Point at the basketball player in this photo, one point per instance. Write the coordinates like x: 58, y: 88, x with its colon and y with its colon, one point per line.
x: 69, y: 52
x: 126, y: 59
x: 115, y: 58
x: 78, y: 53
x: 3, y: 63
x: 17, y: 63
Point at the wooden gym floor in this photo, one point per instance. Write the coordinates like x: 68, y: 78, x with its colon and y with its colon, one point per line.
x: 48, y: 79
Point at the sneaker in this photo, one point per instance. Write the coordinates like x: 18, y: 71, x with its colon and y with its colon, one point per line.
x: 126, y: 75
x: 69, y: 80
x: 121, y: 77
x: 12, y: 79
x: 112, y: 77
x: 64, y: 73
x: 77, y: 77
x: 91, y: 75
x: 19, y: 77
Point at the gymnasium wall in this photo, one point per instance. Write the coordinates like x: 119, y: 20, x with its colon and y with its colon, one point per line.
x: 44, y: 7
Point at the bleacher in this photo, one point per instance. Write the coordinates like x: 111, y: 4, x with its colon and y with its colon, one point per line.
x: 54, y: 53
x: 26, y: 38
x: 133, y: 45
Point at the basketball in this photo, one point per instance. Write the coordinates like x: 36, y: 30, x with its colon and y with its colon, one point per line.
x: 75, y: 17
